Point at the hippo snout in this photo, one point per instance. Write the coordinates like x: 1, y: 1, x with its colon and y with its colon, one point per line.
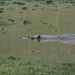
x: 31, y: 37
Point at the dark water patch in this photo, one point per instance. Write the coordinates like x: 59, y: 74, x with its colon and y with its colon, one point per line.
x: 33, y: 9
x: 67, y: 7
x: 20, y: 12
x: 1, y: 8
x: 2, y: 28
x: 42, y: 9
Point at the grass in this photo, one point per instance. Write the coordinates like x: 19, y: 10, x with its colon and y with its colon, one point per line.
x: 11, y: 67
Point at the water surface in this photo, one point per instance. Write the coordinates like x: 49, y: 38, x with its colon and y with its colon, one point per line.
x: 49, y: 21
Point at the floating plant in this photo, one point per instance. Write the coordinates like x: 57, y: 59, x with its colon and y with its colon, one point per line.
x: 36, y: 5
x: 3, y: 3
x: 28, y: 0
x: 3, y: 23
x: 24, y: 8
x: 49, y: 1
x: 1, y: 11
x: 11, y: 20
x: 27, y: 22
x: 19, y: 3
x: 12, y: 58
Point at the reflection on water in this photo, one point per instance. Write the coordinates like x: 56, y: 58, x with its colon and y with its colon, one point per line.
x: 47, y: 49
x: 43, y: 52
x: 66, y: 38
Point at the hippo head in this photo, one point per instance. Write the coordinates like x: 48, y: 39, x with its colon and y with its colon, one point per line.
x: 31, y: 37
x: 34, y: 38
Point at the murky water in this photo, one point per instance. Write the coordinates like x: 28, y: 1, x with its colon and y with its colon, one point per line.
x: 46, y: 20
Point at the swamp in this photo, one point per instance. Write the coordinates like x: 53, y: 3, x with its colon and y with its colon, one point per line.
x: 21, y: 18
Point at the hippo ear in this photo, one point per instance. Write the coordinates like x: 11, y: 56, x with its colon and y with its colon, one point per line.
x: 38, y: 36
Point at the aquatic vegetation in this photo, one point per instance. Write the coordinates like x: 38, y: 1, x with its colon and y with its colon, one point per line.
x: 39, y: 0
x: 1, y: 11
x: 28, y: 0
x: 49, y: 1
x: 4, y: 33
x: 73, y: 4
x: 11, y: 20
x: 3, y: 3
x: 19, y: 3
x: 3, y: 23
x: 36, y: 5
x: 12, y: 58
x: 27, y: 22
x: 24, y: 8
x: 68, y: 1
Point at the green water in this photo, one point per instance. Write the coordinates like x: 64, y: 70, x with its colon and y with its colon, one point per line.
x: 46, y: 20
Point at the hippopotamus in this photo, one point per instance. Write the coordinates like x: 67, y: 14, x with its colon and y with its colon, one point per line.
x: 66, y: 38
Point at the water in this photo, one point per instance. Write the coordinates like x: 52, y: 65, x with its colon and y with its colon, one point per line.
x: 44, y: 22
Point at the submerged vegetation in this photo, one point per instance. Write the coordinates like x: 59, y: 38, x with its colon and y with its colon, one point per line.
x: 1, y: 11
x: 12, y: 58
x: 8, y: 67
x: 3, y: 23
x: 3, y: 3
x: 11, y: 20
x: 27, y: 22
x: 19, y: 3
